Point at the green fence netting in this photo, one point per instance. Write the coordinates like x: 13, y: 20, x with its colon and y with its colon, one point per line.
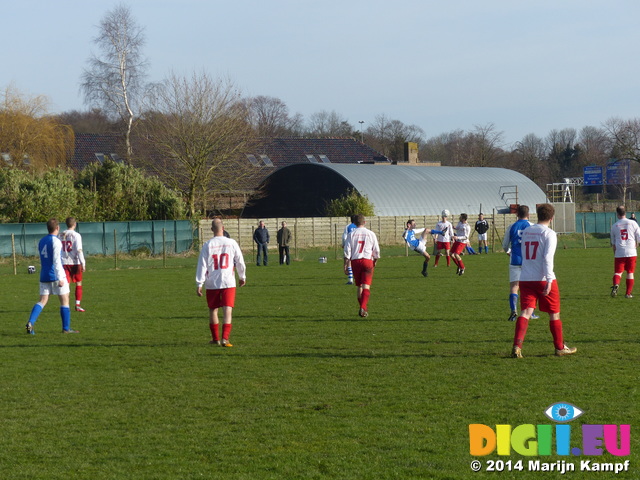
x: 103, y: 238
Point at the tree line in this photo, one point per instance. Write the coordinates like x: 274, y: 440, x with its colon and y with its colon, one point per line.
x: 190, y: 131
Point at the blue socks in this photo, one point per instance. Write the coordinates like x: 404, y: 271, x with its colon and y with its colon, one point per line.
x: 35, y: 313
x: 513, y: 301
x: 65, y: 314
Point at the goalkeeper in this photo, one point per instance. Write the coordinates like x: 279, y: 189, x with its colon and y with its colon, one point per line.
x: 419, y: 244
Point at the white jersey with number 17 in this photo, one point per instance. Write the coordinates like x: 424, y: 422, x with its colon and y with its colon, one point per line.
x: 218, y: 258
x: 538, y: 245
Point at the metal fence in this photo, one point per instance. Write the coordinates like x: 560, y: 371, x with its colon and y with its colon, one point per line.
x: 104, y: 238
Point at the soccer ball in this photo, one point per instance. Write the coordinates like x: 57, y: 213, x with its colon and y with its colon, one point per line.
x: 445, y: 213
x: 31, y: 269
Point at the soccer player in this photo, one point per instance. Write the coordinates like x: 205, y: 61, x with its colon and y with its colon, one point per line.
x: 53, y: 280
x: 443, y: 240
x: 418, y: 245
x: 73, y: 258
x: 461, y: 237
x: 482, y: 227
x: 347, y: 230
x: 219, y: 258
x: 625, y: 236
x: 361, y: 252
x: 512, y: 246
x: 538, y: 283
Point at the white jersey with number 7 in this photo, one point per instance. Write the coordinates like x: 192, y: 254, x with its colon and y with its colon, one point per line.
x: 361, y: 243
x: 218, y: 258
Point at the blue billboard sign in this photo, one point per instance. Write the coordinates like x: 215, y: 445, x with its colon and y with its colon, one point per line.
x: 618, y: 172
x: 593, y: 175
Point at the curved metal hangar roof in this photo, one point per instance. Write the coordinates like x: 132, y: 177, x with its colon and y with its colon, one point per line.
x: 303, y: 190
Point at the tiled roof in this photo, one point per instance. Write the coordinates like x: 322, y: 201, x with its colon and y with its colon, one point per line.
x: 87, y: 145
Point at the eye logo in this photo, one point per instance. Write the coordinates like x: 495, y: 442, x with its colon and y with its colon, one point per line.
x: 563, y: 412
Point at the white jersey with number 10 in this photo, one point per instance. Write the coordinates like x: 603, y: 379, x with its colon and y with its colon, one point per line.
x: 218, y: 258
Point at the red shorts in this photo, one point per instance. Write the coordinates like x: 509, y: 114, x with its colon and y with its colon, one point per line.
x: 223, y: 297
x: 443, y: 245
x: 74, y: 273
x: 362, y: 271
x: 458, y: 247
x: 624, y: 263
x: 531, y: 293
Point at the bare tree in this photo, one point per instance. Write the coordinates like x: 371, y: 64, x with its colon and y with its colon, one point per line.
x: 487, y: 146
x: 270, y: 117
x: 530, y: 154
x: 389, y: 136
x: 114, y: 79
x: 197, y: 131
x: 625, y: 136
x: 328, y: 124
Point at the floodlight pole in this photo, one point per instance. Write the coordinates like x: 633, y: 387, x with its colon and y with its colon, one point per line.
x: 361, y: 131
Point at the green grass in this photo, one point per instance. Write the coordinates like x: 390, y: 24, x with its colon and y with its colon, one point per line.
x: 310, y: 390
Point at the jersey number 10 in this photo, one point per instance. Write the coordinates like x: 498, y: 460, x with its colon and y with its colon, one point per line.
x: 220, y: 262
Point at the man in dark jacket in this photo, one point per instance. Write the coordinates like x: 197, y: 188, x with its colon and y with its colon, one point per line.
x: 261, y: 237
x: 284, y: 238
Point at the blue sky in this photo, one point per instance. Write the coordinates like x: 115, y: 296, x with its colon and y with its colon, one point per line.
x: 527, y: 66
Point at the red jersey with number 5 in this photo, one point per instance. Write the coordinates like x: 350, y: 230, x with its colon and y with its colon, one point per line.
x: 625, y: 235
x: 216, y: 263
x: 538, y: 248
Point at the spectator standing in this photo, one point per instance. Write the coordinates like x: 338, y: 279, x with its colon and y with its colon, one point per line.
x: 219, y: 258
x: 625, y: 236
x: 284, y: 239
x: 261, y: 237
x: 53, y: 279
x: 73, y: 258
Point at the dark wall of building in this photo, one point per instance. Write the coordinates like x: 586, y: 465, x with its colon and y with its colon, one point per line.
x: 297, y: 191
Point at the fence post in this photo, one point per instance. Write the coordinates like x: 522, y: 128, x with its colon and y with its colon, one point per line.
x: 584, y: 236
x: 115, y: 249
x: 13, y: 253
x: 164, y: 248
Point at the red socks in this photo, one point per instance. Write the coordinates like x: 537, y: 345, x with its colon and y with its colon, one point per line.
x: 364, y: 298
x: 78, y: 293
x: 226, y: 331
x: 215, y: 335
x: 629, y: 285
x: 448, y: 260
x: 521, y: 330
x: 555, y: 326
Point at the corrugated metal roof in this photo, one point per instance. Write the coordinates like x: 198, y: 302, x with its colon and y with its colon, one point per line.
x: 418, y: 190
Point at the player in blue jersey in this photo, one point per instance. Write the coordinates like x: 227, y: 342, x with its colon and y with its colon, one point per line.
x: 419, y: 245
x: 347, y: 230
x: 512, y: 246
x: 53, y: 279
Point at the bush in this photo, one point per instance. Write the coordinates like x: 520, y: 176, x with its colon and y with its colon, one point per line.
x: 350, y: 203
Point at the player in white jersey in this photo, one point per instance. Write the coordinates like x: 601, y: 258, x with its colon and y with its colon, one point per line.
x: 461, y: 237
x: 73, y: 258
x: 361, y: 251
x: 219, y: 258
x: 538, y: 283
x: 443, y: 240
x: 625, y: 236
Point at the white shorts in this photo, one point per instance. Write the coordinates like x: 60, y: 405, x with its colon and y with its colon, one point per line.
x: 482, y: 236
x: 514, y: 273
x: 422, y: 247
x: 52, y: 288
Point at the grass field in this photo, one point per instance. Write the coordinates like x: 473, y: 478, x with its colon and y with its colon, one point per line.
x: 310, y: 390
